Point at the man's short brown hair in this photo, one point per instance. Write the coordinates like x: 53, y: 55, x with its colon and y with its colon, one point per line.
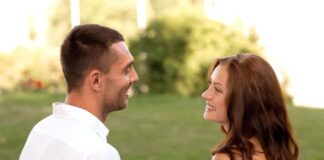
x: 87, y: 47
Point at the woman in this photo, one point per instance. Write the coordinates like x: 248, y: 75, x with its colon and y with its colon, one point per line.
x: 245, y: 98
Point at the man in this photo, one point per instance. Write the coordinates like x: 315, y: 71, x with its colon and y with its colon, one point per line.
x: 98, y: 69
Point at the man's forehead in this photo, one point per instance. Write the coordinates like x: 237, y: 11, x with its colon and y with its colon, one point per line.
x: 121, y: 45
x: 120, y: 50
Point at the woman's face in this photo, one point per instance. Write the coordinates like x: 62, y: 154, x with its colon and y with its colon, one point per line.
x: 215, y: 95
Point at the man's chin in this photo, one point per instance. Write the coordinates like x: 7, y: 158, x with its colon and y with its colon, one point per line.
x: 119, y: 107
x: 123, y: 106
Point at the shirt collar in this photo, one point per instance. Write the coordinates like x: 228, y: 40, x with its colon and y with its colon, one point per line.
x: 72, y: 112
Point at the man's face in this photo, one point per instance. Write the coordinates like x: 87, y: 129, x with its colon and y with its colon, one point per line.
x: 119, y: 79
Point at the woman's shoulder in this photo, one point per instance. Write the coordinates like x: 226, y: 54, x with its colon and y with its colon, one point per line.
x: 223, y: 156
x: 220, y: 156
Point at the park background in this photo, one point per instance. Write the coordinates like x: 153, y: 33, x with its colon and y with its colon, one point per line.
x: 173, y: 43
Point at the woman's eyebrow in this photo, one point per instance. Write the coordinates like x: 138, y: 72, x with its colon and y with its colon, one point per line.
x: 217, y: 83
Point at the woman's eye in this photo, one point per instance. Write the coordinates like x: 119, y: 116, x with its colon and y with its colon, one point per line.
x: 217, y: 89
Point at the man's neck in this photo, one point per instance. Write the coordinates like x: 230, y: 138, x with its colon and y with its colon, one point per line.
x: 86, y: 102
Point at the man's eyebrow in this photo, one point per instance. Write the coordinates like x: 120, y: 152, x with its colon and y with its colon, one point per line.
x: 129, y: 64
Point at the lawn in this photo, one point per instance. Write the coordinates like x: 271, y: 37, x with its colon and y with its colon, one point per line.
x: 153, y: 127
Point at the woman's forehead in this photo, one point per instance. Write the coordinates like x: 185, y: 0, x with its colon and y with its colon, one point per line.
x: 219, y: 74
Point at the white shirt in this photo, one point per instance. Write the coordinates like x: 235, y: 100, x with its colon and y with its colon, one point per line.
x: 70, y: 133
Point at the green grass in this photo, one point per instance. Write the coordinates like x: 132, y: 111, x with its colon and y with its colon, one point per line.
x: 154, y: 127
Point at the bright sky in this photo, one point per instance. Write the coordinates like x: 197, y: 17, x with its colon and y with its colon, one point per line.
x: 15, y: 15
x: 11, y: 31
x: 292, y: 32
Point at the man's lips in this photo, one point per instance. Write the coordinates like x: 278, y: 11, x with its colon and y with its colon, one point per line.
x: 128, y: 91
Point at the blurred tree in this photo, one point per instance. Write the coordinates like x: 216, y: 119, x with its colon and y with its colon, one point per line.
x: 38, y: 71
x: 120, y: 15
x: 162, y: 7
x: 59, y: 15
x: 179, y: 48
x: 176, y: 48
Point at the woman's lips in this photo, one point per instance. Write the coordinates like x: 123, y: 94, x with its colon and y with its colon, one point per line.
x: 210, y: 108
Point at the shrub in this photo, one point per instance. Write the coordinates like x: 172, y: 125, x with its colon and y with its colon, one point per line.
x: 174, y: 52
x: 31, y: 69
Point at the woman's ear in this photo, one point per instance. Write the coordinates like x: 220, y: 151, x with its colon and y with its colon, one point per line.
x: 95, y: 80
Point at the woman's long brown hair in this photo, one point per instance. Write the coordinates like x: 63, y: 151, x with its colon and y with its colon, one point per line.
x: 256, y: 108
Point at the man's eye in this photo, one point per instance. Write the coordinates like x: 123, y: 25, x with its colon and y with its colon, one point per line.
x: 128, y: 69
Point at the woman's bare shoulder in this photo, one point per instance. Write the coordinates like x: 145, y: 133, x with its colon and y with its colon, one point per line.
x: 223, y: 156
x: 220, y: 156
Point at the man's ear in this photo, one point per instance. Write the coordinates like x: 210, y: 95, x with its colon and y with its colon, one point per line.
x: 95, y: 80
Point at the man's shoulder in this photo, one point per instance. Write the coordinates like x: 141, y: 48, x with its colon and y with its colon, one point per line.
x: 69, y: 140
x: 54, y: 136
x: 66, y: 130
x: 41, y: 147
x: 55, y: 125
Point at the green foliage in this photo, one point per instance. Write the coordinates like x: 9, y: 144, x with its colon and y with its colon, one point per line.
x: 120, y: 15
x: 174, y: 52
x: 59, y: 22
x: 159, y: 8
x: 31, y: 69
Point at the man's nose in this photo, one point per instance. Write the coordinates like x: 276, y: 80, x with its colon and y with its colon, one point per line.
x: 134, y: 77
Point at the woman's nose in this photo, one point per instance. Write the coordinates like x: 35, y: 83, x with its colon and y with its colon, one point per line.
x: 204, y: 95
